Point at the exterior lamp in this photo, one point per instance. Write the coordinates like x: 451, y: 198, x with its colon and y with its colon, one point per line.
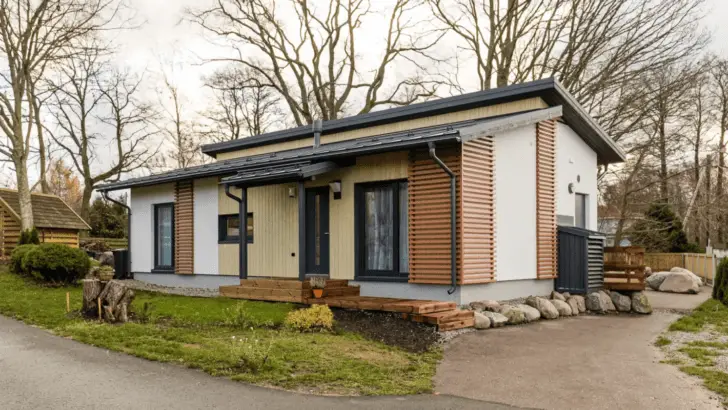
x: 335, y: 188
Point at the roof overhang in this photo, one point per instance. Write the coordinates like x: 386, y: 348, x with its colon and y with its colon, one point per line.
x: 278, y: 174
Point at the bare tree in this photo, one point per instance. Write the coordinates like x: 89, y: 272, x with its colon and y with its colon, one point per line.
x: 35, y: 34
x: 178, y: 129
x: 93, y: 100
x: 311, y: 59
x: 242, y: 105
x: 720, y: 77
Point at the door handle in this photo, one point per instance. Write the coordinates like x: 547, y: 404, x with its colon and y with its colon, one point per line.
x: 326, y: 233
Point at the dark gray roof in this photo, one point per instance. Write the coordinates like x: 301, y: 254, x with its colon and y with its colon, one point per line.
x: 548, y: 89
x: 271, y: 174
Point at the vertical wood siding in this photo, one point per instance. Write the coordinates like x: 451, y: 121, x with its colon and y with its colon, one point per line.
x: 429, y: 216
x: 478, y: 211
x: 546, y: 200
x: 184, y: 239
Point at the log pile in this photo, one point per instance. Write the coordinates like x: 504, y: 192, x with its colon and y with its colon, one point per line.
x: 109, y: 301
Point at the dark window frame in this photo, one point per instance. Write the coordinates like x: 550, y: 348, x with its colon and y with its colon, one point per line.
x: 222, y: 236
x: 157, y: 267
x: 360, y: 271
x: 585, y: 208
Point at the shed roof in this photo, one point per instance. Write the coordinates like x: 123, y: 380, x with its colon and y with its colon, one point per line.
x: 49, y: 211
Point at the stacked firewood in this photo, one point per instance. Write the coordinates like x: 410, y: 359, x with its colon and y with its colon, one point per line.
x: 107, y: 300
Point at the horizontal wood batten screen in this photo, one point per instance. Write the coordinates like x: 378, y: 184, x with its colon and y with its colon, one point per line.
x: 477, y: 229
x: 546, y: 229
x: 184, y: 218
x: 429, y: 216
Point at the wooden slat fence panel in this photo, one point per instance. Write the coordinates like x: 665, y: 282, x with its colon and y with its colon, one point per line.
x: 184, y: 244
x: 546, y: 228
x: 67, y: 237
x: 664, y: 261
x: 700, y: 264
x: 113, y: 243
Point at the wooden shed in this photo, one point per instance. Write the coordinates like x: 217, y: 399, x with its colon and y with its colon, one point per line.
x: 55, y: 221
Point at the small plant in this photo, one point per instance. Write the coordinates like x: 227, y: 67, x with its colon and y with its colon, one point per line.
x: 318, y: 283
x: 315, y: 318
x: 662, y: 341
x: 29, y: 237
x: 720, y: 284
x: 239, y: 316
x: 252, y: 353
x: 145, y: 315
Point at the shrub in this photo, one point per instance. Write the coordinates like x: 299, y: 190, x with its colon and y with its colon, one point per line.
x: 56, y: 263
x: 720, y: 284
x: 16, y: 259
x: 317, y: 317
x: 29, y: 237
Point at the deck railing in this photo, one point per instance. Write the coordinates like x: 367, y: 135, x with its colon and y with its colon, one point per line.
x: 624, y: 268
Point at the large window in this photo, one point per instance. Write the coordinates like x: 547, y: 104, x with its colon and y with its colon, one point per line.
x: 164, y: 237
x: 229, y: 228
x: 580, y: 211
x: 381, y: 231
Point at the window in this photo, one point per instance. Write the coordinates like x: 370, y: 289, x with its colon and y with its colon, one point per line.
x: 229, y: 228
x: 164, y: 237
x: 580, y: 211
x: 382, y: 231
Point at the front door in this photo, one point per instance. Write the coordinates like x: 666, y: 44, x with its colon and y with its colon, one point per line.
x: 317, y: 231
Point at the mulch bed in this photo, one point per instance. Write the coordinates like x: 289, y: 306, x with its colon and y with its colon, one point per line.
x: 388, y: 328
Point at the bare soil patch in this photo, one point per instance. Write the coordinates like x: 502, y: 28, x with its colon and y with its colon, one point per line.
x: 388, y: 328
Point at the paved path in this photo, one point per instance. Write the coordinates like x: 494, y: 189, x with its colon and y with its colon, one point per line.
x: 587, y: 362
x: 42, y: 371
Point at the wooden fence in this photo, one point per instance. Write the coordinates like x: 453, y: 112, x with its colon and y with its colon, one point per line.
x: 664, y: 261
x: 113, y: 243
x: 700, y: 264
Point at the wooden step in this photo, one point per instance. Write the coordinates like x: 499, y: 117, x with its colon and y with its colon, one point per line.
x: 440, y: 318
x: 458, y: 324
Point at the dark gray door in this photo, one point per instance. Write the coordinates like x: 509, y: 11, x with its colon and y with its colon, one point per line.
x: 317, y: 231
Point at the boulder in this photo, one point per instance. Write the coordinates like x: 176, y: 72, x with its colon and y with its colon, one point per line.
x: 566, y: 295
x: 580, y: 303
x: 515, y: 316
x: 599, y: 302
x: 106, y: 258
x: 621, y: 302
x: 544, y: 307
x: 648, y: 271
x: 532, y: 314
x: 641, y: 304
x: 563, y: 307
x: 496, y: 319
x: 695, y: 277
x: 574, y: 305
x: 557, y: 296
x: 485, y: 305
x: 481, y: 321
x: 655, y: 280
x: 680, y: 282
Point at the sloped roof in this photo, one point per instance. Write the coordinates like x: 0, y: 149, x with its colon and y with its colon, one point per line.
x: 49, y: 211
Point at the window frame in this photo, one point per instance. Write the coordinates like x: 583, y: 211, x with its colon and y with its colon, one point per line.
x: 360, y: 271
x: 585, y: 208
x: 157, y: 267
x: 222, y: 236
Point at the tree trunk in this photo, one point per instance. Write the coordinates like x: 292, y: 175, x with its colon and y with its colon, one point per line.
x: 719, y: 187
x: 663, y: 163
x: 26, y: 207
x: 91, y: 292
x: 41, y: 147
x: 88, y: 189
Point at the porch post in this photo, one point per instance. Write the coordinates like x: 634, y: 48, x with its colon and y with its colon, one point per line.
x: 243, y: 233
x: 301, y: 231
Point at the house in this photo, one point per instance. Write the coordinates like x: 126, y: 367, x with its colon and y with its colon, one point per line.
x: 55, y: 221
x: 455, y: 199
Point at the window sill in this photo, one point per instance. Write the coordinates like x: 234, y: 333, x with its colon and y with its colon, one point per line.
x: 402, y: 279
x: 163, y: 270
x: 231, y: 241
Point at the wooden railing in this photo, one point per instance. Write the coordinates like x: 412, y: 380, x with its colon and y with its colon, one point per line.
x: 624, y: 268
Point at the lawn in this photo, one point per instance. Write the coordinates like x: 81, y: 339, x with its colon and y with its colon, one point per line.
x: 242, y: 340
x: 698, y: 344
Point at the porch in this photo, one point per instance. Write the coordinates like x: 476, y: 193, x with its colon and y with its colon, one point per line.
x: 339, y: 294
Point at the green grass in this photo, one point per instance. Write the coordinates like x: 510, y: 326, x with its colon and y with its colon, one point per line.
x: 240, y: 340
x: 711, y: 312
x: 715, y: 380
x: 662, y: 341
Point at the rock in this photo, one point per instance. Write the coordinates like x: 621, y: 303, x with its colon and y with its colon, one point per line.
x: 544, y: 307
x: 648, y: 271
x: 607, y: 299
x: 655, y: 280
x: 563, y: 307
x: 566, y: 295
x: 641, y: 304
x: 680, y: 282
x: 481, y: 321
x: 599, y: 302
x: 532, y: 314
x: 496, y: 319
x: 574, y: 305
x: 695, y: 277
x: 515, y: 316
x: 621, y: 302
x: 579, y: 302
x: 557, y: 296
x: 485, y: 305
x: 106, y: 258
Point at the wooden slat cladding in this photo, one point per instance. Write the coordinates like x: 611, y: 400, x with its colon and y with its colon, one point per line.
x: 184, y: 219
x: 67, y: 237
x: 478, y: 211
x: 429, y: 216
x: 546, y: 200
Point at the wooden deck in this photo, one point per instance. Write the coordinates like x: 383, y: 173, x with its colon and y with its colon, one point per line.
x: 338, y: 294
x: 624, y: 268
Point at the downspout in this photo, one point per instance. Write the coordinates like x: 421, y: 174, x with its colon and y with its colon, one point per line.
x: 128, y: 229
x: 243, y: 229
x: 453, y: 222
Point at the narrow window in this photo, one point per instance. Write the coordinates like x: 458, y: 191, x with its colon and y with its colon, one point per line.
x: 580, y: 211
x: 229, y: 228
x: 164, y: 237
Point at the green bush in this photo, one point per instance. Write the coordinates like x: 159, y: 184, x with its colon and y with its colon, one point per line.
x: 16, y: 259
x: 720, y: 284
x: 317, y: 317
x: 29, y: 237
x: 51, y: 262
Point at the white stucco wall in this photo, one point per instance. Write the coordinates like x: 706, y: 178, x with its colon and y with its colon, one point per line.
x: 515, y: 203
x: 574, y: 158
x: 142, y: 223
x: 205, y: 226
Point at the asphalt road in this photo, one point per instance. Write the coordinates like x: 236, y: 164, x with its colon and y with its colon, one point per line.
x: 41, y: 371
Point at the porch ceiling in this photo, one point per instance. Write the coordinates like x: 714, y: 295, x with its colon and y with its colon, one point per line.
x: 275, y: 174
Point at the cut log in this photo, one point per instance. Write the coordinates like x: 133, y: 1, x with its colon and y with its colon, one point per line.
x: 121, y: 309
x: 113, y: 293
x: 91, y: 291
x: 115, y: 299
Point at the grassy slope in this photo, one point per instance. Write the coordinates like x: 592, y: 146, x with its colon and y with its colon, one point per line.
x: 198, y: 333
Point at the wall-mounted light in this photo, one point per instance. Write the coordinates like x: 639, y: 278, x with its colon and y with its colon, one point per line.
x: 335, y: 188
x: 571, y: 187
x: 292, y: 192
